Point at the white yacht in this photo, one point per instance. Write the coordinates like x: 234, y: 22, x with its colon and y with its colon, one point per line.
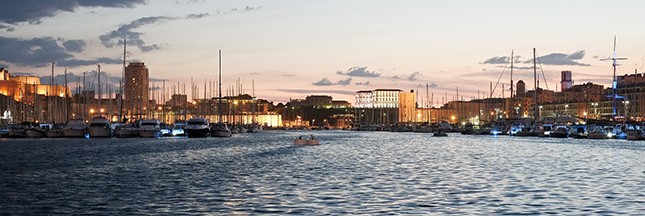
x: 178, y: 129
x: 100, y: 127
x: 75, y: 128
x: 149, y: 128
x: 197, y: 127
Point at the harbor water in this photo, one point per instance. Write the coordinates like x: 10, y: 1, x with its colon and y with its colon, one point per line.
x: 349, y: 173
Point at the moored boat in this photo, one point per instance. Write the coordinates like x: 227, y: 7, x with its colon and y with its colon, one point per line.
x: 197, y: 127
x: 38, y: 131
x: 75, y: 128
x: 149, y: 128
x: 125, y: 131
x: 220, y: 130
x: 100, y: 127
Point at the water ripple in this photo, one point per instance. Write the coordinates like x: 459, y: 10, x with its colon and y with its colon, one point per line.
x: 350, y: 173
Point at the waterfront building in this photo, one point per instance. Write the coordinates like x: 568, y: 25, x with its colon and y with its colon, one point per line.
x: 364, y: 99
x: 521, y: 89
x: 565, y: 82
x: 136, y: 88
x: 407, y: 107
x: 386, y: 98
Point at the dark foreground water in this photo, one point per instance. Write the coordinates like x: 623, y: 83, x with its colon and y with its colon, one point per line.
x: 349, y: 173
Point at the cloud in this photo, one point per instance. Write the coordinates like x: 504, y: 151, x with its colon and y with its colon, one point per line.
x: 74, y: 45
x: 40, y: 52
x: 366, y: 83
x: 430, y: 85
x: 497, y: 60
x: 115, y: 37
x: 247, y: 8
x: 32, y: 11
x: 308, y: 92
x: 8, y: 28
x: 323, y: 82
x: 197, y: 16
x: 326, y: 82
x: 359, y: 72
x: 561, y: 59
x: 413, y: 76
x: 501, y: 60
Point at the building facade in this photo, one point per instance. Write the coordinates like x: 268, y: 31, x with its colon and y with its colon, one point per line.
x: 136, y: 88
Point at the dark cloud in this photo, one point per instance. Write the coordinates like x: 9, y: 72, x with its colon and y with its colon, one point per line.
x: 501, y: 60
x: 74, y: 45
x: 577, y: 55
x: 561, y: 59
x: 345, y: 82
x: 32, y: 11
x: 197, y: 16
x: 40, y: 52
x: 363, y: 83
x: 497, y: 60
x: 115, y: 38
x: 323, y: 82
x: 8, y: 28
x: 359, y: 72
x: 413, y: 76
x: 326, y: 82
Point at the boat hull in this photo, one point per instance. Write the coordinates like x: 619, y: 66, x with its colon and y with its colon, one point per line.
x: 126, y: 133
x: 153, y: 133
x: 35, y: 133
x: 99, y: 132
x: 221, y: 133
x: 55, y: 133
x: 197, y: 132
x: 75, y: 133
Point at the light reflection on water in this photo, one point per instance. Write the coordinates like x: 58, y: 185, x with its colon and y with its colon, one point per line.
x: 349, y: 173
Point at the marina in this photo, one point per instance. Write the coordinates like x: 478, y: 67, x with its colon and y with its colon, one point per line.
x: 350, y: 172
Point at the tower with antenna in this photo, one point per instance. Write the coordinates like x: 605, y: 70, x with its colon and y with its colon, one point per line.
x: 614, y: 83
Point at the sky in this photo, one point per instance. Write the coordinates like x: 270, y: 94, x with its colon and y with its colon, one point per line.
x: 292, y: 49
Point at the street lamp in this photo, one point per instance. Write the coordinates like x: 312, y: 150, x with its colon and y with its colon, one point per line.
x: 566, y: 107
x: 595, y: 109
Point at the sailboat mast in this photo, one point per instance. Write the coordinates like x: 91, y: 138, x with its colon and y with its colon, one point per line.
x: 51, y: 92
x: 121, y: 83
x: 219, y: 83
x: 66, y: 98
x: 535, y: 93
x: 99, y: 91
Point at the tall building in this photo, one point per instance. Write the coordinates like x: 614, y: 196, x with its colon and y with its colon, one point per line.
x: 566, y: 81
x: 136, y: 87
x: 521, y: 89
x: 407, y: 107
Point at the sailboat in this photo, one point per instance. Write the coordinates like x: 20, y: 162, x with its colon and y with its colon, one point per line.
x: 220, y: 129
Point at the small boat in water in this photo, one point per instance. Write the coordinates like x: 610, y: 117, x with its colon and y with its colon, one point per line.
x: 178, y: 129
x: 38, y: 131
x: 560, y: 131
x: 220, y: 130
x: 75, y: 128
x: 149, y: 128
x: 197, y: 127
x: 440, y: 133
x: 100, y: 127
x: 125, y: 131
x: 56, y: 131
x: 300, y: 141
x: 598, y: 132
